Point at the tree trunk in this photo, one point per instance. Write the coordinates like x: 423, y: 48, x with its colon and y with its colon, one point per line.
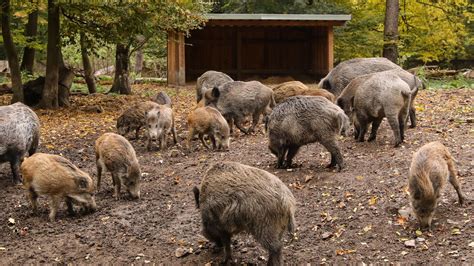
x: 30, y: 33
x: 390, y: 49
x: 65, y: 79
x: 121, y: 83
x: 139, y: 61
x: 49, y: 98
x: 11, y: 53
x: 88, y: 72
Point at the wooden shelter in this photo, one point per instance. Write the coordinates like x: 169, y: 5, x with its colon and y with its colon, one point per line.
x: 249, y: 45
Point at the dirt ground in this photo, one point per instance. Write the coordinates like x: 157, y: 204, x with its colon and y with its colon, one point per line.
x: 351, y: 216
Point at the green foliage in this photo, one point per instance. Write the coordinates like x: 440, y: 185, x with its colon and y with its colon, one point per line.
x: 279, y: 7
x: 456, y: 82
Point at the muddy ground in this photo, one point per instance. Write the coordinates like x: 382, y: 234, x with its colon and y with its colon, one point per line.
x: 351, y: 216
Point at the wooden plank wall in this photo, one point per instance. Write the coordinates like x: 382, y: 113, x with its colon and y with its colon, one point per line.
x: 244, y: 52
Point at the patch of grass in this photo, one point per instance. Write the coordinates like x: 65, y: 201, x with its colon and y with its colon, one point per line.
x: 82, y: 88
x: 456, y: 82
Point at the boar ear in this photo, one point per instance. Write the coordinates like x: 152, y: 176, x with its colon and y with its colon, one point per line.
x: 215, y: 92
x: 81, y: 182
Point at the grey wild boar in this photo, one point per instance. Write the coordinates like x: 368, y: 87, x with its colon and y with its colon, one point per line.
x: 19, y: 135
x: 159, y: 123
x: 163, y: 99
x: 336, y: 80
x: 381, y: 95
x: 301, y: 120
x: 133, y: 118
x: 294, y: 88
x: 56, y: 177
x: 208, y: 121
x: 236, y: 198
x: 238, y: 99
x: 346, y: 98
x: 432, y: 165
x: 115, y: 154
x: 209, y: 80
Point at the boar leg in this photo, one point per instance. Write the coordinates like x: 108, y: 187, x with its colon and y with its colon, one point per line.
x: 227, y: 248
x: 117, y: 185
x: 363, y: 124
x: 163, y: 143
x: 375, y: 127
x: 213, y: 141
x: 412, y: 116
x: 70, y: 208
x: 190, y: 137
x: 255, y: 118
x: 54, y: 202
x: 149, y: 143
x: 99, y: 174
x: 336, y: 156
x: 271, y: 241
x: 230, y: 122
x: 173, y: 131
x: 454, y: 181
x: 238, y: 124
x: 33, y: 197
x: 201, y: 137
x: 281, y: 152
x: 292, y: 151
x: 137, y: 132
x: 402, y: 124
x: 395, y: 125
x: 15, y: 162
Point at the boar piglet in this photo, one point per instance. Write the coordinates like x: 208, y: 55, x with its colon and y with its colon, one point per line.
x: 59, y: 179
x: 209, y: 80
x: 301, y: 120
x: 159, y: 123
x: 432, y: 165
x: 19, y: 135
x: 115, y: 154
x: 133, y: 118
x: 163, y: 99
x: 236, y: 198
x: 208, y: 121
x: 294, y: 88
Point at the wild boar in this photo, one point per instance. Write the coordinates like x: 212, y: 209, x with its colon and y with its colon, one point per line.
x: 381, y: 95
x: 209, y: 80
x: 301, y: 120
x: 336, y: 80
x: 294, y: 88
x: 56, y: 177
x: 430, y: 167
x: 345, y: 99
x: 19, y: 135
x: 236, y: 198
x: 133, y: 118
x: 208, y: 121
x: 237, y: 99
x: 115, y: 154
x: 160, y: 122
x: 163, y: 99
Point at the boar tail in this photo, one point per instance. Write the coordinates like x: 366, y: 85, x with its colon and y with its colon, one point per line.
x: 196, y: 196
x: 406, y: 92
x: 343, y: 123
x: 291, y: 224
x: 272, y: 102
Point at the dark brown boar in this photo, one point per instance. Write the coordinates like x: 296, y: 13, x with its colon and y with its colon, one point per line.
x: 236, y: 198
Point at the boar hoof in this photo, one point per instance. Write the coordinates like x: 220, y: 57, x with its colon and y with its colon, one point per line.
x: 371, y: 138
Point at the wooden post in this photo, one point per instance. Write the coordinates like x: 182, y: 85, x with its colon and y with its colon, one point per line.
x: 330, y: 51
x: 239, y: 55
x: 176, y: 61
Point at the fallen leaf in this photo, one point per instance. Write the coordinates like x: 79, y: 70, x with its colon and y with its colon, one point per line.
x: 418, y: 233
x: 367, y: 228
x: 345, y: 251
x: 359, y: 178
x: 373, y: 200
x: 455, y: 231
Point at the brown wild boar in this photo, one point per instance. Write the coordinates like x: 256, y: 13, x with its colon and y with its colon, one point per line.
x: 208, y: 121
x: 133, y: 118
x: 56, y: 177
x: 294, y: 88
x: 432, y: 165
x: 236, y: 198
x: 115, y: 154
